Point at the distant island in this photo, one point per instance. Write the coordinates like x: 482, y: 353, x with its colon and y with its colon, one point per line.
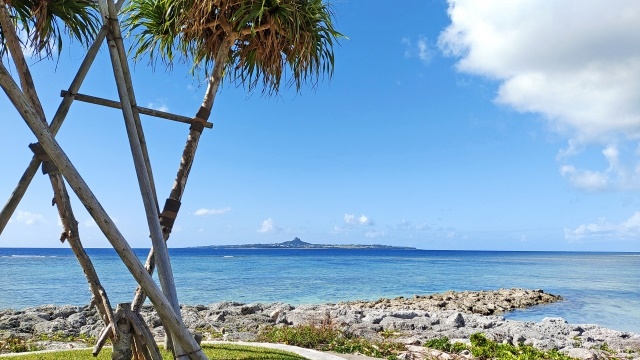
x: 299, y: 244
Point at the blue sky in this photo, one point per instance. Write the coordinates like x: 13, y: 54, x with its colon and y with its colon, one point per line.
x: 492, y: 125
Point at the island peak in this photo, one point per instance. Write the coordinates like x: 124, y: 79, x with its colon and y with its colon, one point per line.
x: 296, y: 243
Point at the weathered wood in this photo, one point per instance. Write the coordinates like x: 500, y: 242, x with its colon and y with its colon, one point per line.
x: 117, y: 37
x: 73, y: 238
x: 141, y: 109
x: 145, y: 335
x: 61, y: 196
x: 165, y: 274
x: 186, y: 162
x: 18, y: 193
x: 12, y: 42
x: 135, y: 348
x: 122, y: 346
x: 105, y: 334
x: 105, y: 223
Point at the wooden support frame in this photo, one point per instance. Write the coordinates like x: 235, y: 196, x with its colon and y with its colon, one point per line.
x: 105, y: 223
x: 70, y: 232
x: 30, y: 110
x: 142, y: 110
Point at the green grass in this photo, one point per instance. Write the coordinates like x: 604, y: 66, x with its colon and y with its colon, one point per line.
x: 327, y: 338
x: 483, y: 348
x: 217, y: 351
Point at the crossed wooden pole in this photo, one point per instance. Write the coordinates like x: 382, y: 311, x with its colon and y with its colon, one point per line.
x: 48, y: 150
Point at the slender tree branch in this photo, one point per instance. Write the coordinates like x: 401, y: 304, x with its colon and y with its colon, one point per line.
x: 255, y: 29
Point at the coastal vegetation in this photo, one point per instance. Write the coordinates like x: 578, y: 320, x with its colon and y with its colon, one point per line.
x: 326, y: 337
x: 217, y: 351
x: 483, y: 348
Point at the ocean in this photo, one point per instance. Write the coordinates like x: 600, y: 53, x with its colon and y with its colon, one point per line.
x: 600, y: 288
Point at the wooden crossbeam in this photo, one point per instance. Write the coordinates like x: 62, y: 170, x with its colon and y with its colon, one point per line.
x: 142, y: 110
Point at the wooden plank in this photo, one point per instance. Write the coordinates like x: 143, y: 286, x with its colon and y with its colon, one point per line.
x: 143, y: 110
x: 105, y: 223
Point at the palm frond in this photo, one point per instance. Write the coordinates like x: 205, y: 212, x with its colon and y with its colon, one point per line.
x: 156, y: 30
x: 271, y: 40
x: 45, y: 22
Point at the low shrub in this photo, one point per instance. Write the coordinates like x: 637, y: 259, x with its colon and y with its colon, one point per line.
x: 327, y: 338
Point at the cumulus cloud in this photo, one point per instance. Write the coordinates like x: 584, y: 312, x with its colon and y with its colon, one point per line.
x: 351, y: 222
x: 603, y: 229
x: 207, y: 212
x: 579, y: 68
x: 419, y: 49
x: 576, y: 62
x: 268, y: 226
x: 363, y: 220
x: 618, y: 174
x: 159, y: 105
x: 27, y: 218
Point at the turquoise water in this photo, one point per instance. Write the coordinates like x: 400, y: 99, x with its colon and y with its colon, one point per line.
x: 602, y: 288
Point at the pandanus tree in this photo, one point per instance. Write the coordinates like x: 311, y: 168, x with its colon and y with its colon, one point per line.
x: 260, y: 44
x: 37, y: 27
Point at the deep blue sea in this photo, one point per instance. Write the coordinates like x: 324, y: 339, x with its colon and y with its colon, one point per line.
x: 601, y: 288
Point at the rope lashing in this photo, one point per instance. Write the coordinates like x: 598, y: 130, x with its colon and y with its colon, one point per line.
x: 200, y: 120
x: 169, y: 213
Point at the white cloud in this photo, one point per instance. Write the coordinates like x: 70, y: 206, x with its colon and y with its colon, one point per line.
x: 206, y: 212
x: 603, y: 229
x: 26, y: 218
x: 619, y: 174
x: 349, y: 219
x: 420, y: 49
x: 585, y: 179
x: 268, y: 226
x: 160, y: 105
x: 89, y: 223
x: 575, y: 62
x: 363, y: 220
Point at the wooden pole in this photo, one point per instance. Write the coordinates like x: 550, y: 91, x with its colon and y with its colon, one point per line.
x: 142, y: 110
x: 163, y: 263
x: 164, y: 308
x: 62, y: 201
x: 122, y: 349
x: 18, y: 193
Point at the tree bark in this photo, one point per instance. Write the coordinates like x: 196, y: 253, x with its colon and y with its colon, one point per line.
x: 141, y: 161
x: 61, y: 196
x: 56, y: 123
x: 186, y: 161
x: 122, y: 349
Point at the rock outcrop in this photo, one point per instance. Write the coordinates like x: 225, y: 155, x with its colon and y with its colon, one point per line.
x: 456, y: 315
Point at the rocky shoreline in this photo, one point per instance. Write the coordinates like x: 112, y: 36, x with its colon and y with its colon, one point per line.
x: 456, y: 315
